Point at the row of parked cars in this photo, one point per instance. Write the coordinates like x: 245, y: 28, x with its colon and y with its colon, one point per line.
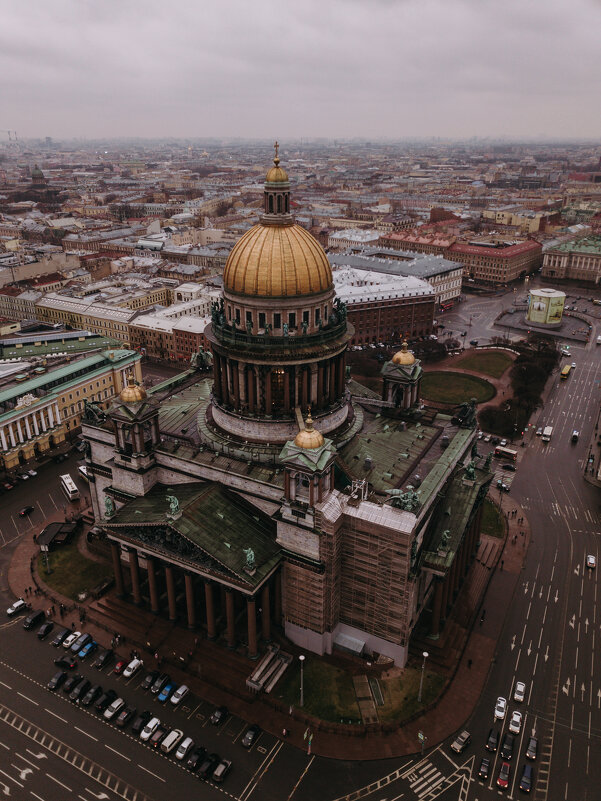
x: 462, y: 741
x: 115, y: 709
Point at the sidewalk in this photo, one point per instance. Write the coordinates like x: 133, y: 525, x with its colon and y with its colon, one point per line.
x: 191, y: 658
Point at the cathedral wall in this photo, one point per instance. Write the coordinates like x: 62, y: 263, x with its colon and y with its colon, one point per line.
x: 303, y: 596
x: 298, y: 539
x: 250, y: 428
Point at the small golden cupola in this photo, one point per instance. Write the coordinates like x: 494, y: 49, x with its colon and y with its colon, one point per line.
x: 403, y: 356
x: 132, y: 393
x: 309, y: 438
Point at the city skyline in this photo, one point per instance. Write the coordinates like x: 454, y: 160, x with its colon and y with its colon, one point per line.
x: 384, y: 70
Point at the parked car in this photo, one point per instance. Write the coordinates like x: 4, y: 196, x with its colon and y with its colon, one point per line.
x: 221, y: 771
x: 125, y: 716
x: 59, y: 637
x: 501, y: 485
x: 149, y: 680
x: 219, y: 715
x: 79, y: 643
x: 19, y: 606
x: 492, y: 741
x: 196, y: 758
x: 484, y: 769
x: 179, y: 695
x: 252, y: 734
x: 159, y: 683
x: 527, y: 779
x: 149, y: 729
x: 171, y: 741
x: 65, y: 662
x: 515, y: 724
x: 105, y: 700
x: 500, y: 708
x: 507, y: 747
x: 26, y: 510
x: 140, y: 721
x: 114, y: 708
x: 79, y: 690
x: 32, y: 473
x: 70, y: 639
x: 157, y: 737
x: 88, y: 649
x: 509, y: 466
x: 92, y: 695
x: 23, y: 476
x: 503, y: 777
x: 503, y: 443
x: 45, y: 629
x: 184, y: 748
x: 532, y: 748
x: 35, y: 618
x: 103, y: 657
x: 519, y: 691
x: 166, y: 692
x: 132, y: 668
x: 120, y: 666
x: 72, y: 682
x: 461, y: 742
x: 210, y: 762
x: 58, y: 679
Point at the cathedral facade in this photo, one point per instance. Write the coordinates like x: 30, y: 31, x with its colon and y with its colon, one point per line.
x: 280, y: 491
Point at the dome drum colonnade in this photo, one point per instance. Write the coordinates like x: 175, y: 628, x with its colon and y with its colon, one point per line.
x: 279, y: 337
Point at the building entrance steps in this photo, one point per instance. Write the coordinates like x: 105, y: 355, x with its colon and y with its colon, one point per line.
x: 365, y: 700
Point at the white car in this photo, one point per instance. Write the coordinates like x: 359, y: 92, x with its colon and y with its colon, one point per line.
x: 18, y: 606
x: 132, y: 668
x: 148, y: 730
x: 180, y: 694
x: 503, y: 443
x: 519, y: 691
x: 515, y: 724
x: 591, y: 561
x: 32, y: 473
x: 68, y: 641
x: 573, y: 365
x: 184, y: 748
x: 500, y: 708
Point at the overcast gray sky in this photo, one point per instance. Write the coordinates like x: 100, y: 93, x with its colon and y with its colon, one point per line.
x: 301, y: 68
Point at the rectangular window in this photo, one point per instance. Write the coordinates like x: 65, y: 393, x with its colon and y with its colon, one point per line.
x: 317, y: 316
x: 277, y: 320
x: 306, y: 317
x: 292, y: 319
x: 249, y: 317
x: 237, y: 316
x: 261, y: 319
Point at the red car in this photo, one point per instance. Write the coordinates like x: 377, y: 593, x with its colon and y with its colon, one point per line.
x: 120, y: 666
x: 503, y: 777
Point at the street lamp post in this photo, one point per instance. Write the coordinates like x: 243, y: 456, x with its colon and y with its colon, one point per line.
x: 421, y: 681
x: 302, y: 687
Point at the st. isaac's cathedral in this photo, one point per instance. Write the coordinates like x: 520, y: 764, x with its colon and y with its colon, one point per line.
x: 281, y: 492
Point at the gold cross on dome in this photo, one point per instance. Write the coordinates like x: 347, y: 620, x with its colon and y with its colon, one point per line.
x: 276, y: 148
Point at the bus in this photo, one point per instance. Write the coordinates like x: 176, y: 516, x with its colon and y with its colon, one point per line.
x: 69, y: 487
x: 565, y: 371
x: 506, y: 453
x: 83, y: 472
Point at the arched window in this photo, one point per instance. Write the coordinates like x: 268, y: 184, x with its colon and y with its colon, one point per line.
x: 279, y: 204
x: 286, y: 200
x: 271, y: 204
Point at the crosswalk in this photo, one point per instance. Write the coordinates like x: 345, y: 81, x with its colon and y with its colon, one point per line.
x: 425, y: 778
x: 562, y: 510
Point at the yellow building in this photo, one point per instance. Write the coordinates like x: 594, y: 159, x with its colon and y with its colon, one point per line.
x: 39, y: 409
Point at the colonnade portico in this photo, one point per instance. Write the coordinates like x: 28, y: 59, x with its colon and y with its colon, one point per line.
x: 33, y: 423
x: 198, y: 591
x: 273, y: 390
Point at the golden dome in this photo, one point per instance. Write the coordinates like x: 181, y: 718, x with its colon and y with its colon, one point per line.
x: 132, y: 393
x: 276, y: 174
x: 277, y: 261
x: 403, y: 356
x: 309, y: 438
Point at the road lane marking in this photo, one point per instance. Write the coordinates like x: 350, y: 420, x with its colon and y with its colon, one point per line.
x: 86, y: 733
x: 12, y: 779
x: 114, y: 750
x: 302, y: 776
x: 27, y: 698
x: 50, y: 712
x: 156, y: 776
x: 8, y: 687
x: 50, y: 776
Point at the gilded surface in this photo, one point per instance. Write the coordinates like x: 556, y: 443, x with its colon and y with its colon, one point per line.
x: 277, y: 261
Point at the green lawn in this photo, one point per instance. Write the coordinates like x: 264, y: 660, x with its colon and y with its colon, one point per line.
x: 490, y: 362
x: 71, y: 572
x: 401, y: 692
x: 329, y: 692
x: 492, y: 522
x: 453, y: 388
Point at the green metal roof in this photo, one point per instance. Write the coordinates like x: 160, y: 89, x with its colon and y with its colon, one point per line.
x: 90, y: 344
x: 588, y: 244
x: 218, y: 522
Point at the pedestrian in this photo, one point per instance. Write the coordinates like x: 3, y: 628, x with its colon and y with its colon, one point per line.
x: 73, y: 626
x: 284, y: 732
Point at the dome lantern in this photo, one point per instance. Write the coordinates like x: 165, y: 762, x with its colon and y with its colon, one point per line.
x: 403, y: 356
x: 309, y: 438
x: 132, y: 393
